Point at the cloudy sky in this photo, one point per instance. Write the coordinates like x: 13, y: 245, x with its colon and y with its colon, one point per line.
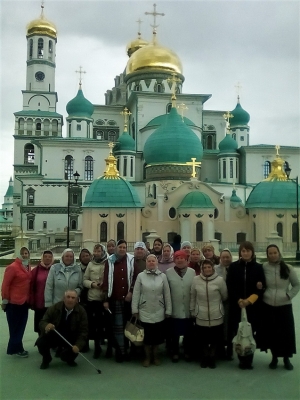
x: 220, y: 43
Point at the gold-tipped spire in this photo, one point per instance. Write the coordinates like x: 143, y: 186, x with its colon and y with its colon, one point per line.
x: 80, y: 72
x: 227, y: 117
x: 111, y: 171
x: 174, y: 80
x: 277, y: 171
x: 126, y: 113
x: 154, y: 26
x: 194, y: 164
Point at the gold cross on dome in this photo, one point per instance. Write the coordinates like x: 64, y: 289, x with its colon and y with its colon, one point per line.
x: 126, y: 113
x: 227, y: 117
x: 194, y: 164
x: 139, y: 21
x: 111, y: 145
x: 182, y: 107
x: 80, y: 72
x: 277, y: 147
x: 154, y: 13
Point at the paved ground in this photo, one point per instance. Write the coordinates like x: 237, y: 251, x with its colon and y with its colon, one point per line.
x: 21, y: 379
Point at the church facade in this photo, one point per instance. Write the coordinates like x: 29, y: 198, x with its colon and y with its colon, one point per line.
x: 173, y: 167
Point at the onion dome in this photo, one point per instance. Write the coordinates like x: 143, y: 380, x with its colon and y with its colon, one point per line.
x: 80, y: 106
x: 111, y: 190
x: 228, y: 144
x: 125, y: 143
x: 172, y: 142
x: 154, y: 57
x: 235, y: 201
x: 41, y: 26
x: 161, y: 119
x: 135, y: 45
x: 240, y: 116
x: 196, y: 200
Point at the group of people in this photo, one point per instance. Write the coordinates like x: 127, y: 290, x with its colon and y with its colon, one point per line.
x: 173, y: 290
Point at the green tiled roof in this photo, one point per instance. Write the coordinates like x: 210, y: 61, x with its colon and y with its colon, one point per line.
x: 273, y: 194
x: 125, y: 142
x: 111, y: 193
x: 38, y: 113
x: 240, y: 116
x: 196, y: 200
x: 161, y: 119
x: 228, y: 144
x: 80, y: 106
x: 10, y: 190
x: 172, y: 142
x: 234, y: 198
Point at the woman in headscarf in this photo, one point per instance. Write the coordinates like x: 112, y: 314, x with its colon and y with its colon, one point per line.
x: 15, y: 298
x: 245, y: 280
x: 209, y: 253
x: 118, y: 282
x: 278, y: 330
x: 151, y: 303
x: 157, y: 248
x: 166, y: 260
x: 63, y: 276
x: 196, y: 259
x: 92, y: 280
x: 37, y: 287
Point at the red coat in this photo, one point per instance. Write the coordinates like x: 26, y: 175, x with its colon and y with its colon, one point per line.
x: 37, y: 288
x: 16, y: 283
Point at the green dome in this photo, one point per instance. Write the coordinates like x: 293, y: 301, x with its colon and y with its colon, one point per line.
x: 196, y: 200
x: 125, y: 142
x: 228, y: 144
x: 161, y: 119
x: 240, y: 116
x: 234, y: 198
x: 80, y: 106
x: 273, y: 194
x: 111, y: 193
x: 173, y: 142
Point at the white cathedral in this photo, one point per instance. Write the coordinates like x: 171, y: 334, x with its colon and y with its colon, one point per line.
x: 150, y: 162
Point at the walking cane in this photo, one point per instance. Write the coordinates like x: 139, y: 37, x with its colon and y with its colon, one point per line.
x: 98, y: 370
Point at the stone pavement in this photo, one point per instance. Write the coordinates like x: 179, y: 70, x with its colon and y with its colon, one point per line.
x: 21, y: 379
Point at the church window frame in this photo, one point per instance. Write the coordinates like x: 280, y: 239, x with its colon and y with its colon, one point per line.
x: 69, y: 167
x: 73, y: 223
x: 120, y: 230
x: 131, y: 167
x: 224, y: 168
x: 231, y: 168
x: 30, y: 224
x: 30, y: 196
x: 219, y: 169
x: 279, y: 229
x: 112, y: 136
x: 40, y: 49
x: 172, y: 213
x: 266, y: 169
x: 30, y: 49
x: 125, y: 166
x: 168, y: 108
x: 88, y: 168
x: 29, y: 153
x: 78, y: 127
x: 241, y: 237
x: 199, y: 231
x: 103, y: 232
x: 38, y: 126
x: 294, y: 232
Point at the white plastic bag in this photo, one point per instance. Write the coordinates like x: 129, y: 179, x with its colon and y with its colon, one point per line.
x: 244, y: 343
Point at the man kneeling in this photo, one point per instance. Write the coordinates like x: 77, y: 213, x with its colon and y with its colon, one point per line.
x: 69, y: 319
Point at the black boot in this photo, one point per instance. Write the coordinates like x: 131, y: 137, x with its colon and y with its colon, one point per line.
x: 97, y: 349
x: 273, y: 363
x: 287, y: 364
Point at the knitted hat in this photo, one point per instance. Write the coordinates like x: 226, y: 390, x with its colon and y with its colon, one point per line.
x: 179, y: 253
x: 186, y: 243
x: 141, y: 245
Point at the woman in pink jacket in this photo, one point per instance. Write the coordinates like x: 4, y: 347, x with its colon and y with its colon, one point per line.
x: 15, y: 298
x: 37, y: 287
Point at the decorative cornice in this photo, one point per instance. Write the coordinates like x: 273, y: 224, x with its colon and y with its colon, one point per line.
x: 42, y: 62
x: 50, y: 210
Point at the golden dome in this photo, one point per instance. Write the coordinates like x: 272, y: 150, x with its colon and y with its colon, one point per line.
x: 134, y: 45
x: 154, y: 56
x: 41, y: 26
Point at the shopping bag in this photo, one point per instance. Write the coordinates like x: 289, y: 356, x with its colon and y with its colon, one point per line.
x: 134, y: 332
x: 244, y: 343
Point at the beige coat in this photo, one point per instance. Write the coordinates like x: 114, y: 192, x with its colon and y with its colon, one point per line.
x: 151, y: 297
x: 94, y: 273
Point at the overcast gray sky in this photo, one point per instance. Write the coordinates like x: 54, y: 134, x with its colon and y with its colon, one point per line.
x: 219, y: 43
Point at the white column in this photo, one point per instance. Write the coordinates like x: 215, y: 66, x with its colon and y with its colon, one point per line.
x: 160, y: 207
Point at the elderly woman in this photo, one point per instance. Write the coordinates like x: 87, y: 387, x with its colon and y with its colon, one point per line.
x: 186, y: 246
x: 278, y: 330
x: 207, y: 295
x: 92, y: 280
x: 39, y: 276
x: 245, y: 278
x: 180, y: 279
x: 63, y: 276
x: 118, y: 282
x: 15, y: 297
x: 166, y: 259
x: 196, y: 259
x: 209, y: 253
x: 151, y: 303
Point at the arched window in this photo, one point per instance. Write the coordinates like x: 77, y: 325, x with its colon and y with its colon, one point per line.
x: 234, y: 136
x: 74, y: 199
x: 240, y: 237
x: 30, y: 196
x: 88, y: 168
x: 199, y: 232
x: 111, y: 136
x: 120, y: 231
x: 231, y: 168
x: 54, y: 127
x: 209, y: 142
x: 294, y: 232
x: 133, y: 130
x: 159, y: 88
x: 40, y: 48
x: 279, y: 228
x: 144, y: 171
x: 131, y: 167
x: 38, y: 126
x: 267, y: 168
x: 69, y: 165
x: 154, y: 190
x: 219, y: 169
x: 254, y: 231
x: 224, y: 168
x: 103, y: 232
x: 125, y: 166
x: 50, y: 49
x: 168, y: 108
x: 29, y: 153
x: 30, y: 48
x: 73, y: 224
x: 137, y: 87
x: 30, y: 224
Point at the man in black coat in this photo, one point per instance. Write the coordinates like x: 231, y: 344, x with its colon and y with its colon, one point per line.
x: 69, y: 319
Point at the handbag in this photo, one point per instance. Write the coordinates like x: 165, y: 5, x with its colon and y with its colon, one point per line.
x: 244, y: 343
x: 134, y: 332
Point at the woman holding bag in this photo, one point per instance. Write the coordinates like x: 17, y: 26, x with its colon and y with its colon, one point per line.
x: 151, y: 303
